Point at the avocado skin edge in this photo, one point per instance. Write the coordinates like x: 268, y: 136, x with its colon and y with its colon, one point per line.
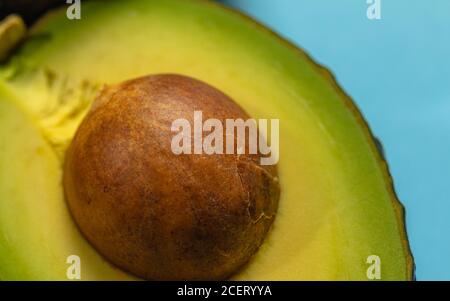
x: 375, y: 143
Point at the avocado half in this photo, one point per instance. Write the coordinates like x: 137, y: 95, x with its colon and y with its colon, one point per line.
x: 337, y: 204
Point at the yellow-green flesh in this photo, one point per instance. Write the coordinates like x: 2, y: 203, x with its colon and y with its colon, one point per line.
x: 336, y: 207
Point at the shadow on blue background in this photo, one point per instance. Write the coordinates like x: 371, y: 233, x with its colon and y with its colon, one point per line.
x: 397, y: 69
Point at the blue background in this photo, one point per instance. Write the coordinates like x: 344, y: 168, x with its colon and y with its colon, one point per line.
x: 397, y: 69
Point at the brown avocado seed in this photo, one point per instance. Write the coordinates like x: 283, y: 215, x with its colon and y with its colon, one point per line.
x: 157, y: 214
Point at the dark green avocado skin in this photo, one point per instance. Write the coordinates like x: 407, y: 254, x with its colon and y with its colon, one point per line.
x: 29, y: 10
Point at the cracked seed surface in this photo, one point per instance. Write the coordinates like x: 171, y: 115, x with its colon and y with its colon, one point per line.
x: 159, y: 215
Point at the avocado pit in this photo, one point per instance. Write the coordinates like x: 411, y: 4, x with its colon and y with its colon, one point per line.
x: 157, y: 214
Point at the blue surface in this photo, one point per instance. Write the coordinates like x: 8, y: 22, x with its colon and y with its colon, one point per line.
x: 397, y: 69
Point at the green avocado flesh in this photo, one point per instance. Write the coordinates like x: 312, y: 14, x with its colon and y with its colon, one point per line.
x: 337, y: 204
